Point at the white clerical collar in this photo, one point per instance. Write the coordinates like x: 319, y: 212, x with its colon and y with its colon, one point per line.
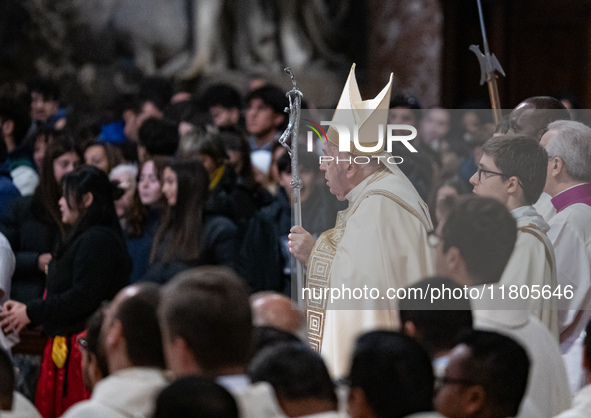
x: 522, y: 211
x: 525, y: 215
x: 233, y: 383
x: 576, y: 185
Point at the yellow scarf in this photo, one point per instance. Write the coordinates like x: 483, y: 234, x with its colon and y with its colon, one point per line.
x: 59, y: 351
x: 216, y: 177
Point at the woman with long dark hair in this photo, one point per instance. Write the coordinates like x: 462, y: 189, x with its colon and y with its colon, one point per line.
x: 145, y: 213
x: 188, y: 235
x: 90, y: 265
x: 33, y: 224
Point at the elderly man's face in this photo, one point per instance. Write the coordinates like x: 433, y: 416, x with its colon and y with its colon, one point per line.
x: 549, y: 179
x: 335, y: 173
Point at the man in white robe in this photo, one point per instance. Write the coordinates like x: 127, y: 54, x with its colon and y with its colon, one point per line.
x: 513, y: 171
x: 378, y: 243
x: 531, y: 117
x: 391, y: 376
x: 475, y: 243
x: 136, y: 365
x: 207, y: 329
x: 300, y: 379
x: 467, y: 389
x: 568, y: 145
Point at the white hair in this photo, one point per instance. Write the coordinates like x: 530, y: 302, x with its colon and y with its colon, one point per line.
x: 572, y: 144
x: 128, y: 169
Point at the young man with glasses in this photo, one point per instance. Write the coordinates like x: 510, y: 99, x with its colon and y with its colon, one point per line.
x: 512, y: 170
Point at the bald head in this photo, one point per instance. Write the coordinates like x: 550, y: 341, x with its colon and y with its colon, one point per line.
x: 532, y: 116
x: 125, y: 294
x: 276, y: 310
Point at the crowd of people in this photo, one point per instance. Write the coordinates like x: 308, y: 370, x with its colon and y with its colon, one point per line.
x: 149, y: 246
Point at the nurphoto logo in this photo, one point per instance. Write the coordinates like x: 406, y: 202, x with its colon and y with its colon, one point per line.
x: 392, y: 134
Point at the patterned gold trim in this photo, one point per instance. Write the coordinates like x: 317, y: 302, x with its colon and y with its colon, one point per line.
x: 322, y: 256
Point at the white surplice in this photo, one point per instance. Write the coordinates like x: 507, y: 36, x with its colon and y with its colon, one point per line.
x: 581, y: 405
x: 533, y: 263
x: 256, y: 400
x: 128, y: 392
x: 547, y: 386
x: 380, y: 242
x: 545, y: 207
x: 570, y: 233
x: 21, y: 408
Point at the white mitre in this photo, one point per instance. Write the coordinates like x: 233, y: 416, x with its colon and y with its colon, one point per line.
x: 368, y: 115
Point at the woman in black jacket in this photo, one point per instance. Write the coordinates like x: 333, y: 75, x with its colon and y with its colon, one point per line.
x: 89, y: 266
x: 33, y: 225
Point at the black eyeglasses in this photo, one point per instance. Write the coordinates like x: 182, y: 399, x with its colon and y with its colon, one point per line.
x: 494, y: 173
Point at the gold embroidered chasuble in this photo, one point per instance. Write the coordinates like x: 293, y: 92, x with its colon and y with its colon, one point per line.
x: 379, y: 242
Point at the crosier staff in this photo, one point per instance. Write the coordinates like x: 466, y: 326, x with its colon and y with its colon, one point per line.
x: 294, y: 111
x: 488, y: 64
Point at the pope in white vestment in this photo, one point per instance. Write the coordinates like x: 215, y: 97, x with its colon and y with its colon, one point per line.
x: 379, y: 242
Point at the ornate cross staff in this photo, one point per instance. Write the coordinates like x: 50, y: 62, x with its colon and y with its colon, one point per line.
x: 294, y: 111
x: 488, y: 64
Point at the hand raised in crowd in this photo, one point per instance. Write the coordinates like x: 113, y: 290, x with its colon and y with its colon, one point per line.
x: 300, y: 244
x: 13, y: 317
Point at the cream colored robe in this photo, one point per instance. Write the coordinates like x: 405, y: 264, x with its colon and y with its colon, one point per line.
x: 21, y: 408
x: 545, y: 207
x: 581, y: 407
x: 570, y: 233
x: 256, y: 400
x: 547, y: 386
x: 124, y: 393
x: 533, y: 263
x: 379, y: 241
